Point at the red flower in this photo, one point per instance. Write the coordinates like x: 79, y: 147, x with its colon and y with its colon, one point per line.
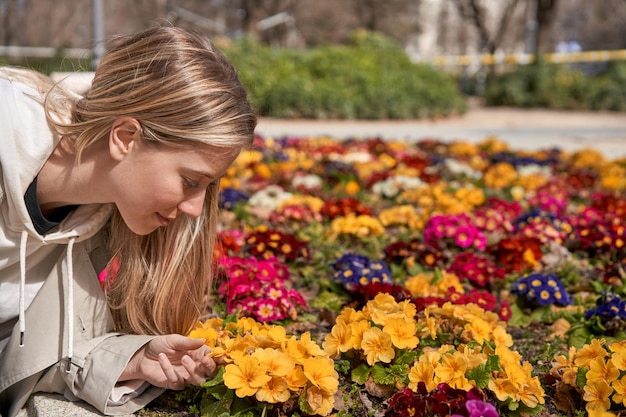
x: 344, y: 206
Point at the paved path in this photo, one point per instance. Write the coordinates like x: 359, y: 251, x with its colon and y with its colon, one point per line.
x: 521, y: 129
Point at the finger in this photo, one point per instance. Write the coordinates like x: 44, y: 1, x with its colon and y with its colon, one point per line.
x: 174, y: 380
x: 179, y: 342
x: 196, y: 372
x: 210, y: 367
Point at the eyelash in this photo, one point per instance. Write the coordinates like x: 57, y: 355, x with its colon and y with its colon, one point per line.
x: 191, y: 184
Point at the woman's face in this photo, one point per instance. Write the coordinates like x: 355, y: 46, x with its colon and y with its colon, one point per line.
x: 155, y: 185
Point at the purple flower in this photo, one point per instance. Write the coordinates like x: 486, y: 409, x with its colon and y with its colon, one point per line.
x: 478, y: 408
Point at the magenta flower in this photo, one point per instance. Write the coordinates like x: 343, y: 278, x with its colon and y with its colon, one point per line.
x: 478, y: 408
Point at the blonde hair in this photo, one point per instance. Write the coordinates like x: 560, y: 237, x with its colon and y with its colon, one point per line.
x: 182, y: 91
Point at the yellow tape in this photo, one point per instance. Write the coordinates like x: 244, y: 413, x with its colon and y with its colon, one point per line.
x: 523, y: 59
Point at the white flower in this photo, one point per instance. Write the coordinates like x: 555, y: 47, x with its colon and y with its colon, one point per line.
x: 461, y: 168
x: 534, y: 169
x: 357, y: 157
x: 270, y: 197
x: 309, y: 181
x: 391, y: 186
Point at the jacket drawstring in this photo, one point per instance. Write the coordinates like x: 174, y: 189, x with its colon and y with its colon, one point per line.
x: 70, y: 303
x: 22, y: 318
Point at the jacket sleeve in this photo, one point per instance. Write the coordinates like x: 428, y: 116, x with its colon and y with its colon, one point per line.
x: 96, y: 367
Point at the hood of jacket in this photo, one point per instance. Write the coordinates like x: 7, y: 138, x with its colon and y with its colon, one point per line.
x: 25, y: 145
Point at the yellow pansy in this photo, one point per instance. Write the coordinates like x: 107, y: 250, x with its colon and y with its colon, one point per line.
x: 296, y: 379
x: 601, y: 370
x: 402, y: 332
x: 619, y: 386
x: 422, y: 371
x: 452, y: 370
x: 590, y: 352
x: 278, y: 363
x: 338, y: 340
x: 246, y: 376
x: 275, y: 391
x: 596, y: 394
x: 357, y: 329
x: 320, y: 402
x: 303, y: 349
x: 320, y: 371
x: 377, y: 346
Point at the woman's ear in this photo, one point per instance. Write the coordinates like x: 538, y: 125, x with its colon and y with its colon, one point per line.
x: 124, y: 136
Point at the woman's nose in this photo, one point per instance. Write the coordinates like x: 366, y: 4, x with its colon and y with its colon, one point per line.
x: 192, y: 206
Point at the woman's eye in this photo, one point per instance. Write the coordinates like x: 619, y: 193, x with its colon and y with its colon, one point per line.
x: 189, y: 183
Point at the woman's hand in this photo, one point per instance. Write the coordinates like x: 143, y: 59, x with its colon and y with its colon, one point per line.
x: 172, y: 362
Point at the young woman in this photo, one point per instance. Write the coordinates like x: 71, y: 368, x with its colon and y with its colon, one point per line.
x: 129, y: 172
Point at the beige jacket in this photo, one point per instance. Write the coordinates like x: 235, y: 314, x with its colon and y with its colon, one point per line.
x: 50, y: 297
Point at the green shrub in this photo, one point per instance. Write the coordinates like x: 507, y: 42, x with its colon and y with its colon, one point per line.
x: 371, y: 78
x: 608, y: 91
x: 558, y: 86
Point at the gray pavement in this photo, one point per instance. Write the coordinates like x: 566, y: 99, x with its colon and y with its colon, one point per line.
x: 521, y: 129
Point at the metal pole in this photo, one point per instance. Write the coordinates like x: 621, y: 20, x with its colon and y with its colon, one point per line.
x: 98, y: 33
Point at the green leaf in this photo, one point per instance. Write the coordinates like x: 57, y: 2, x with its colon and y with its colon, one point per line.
x: 518, y: 318
x: 513, y: 406
x: 493, y: 363
x: 406, y: 357
x: 361, y: 373
x: 578, y: 335
x: 480, y: 375
x: 581, y: 377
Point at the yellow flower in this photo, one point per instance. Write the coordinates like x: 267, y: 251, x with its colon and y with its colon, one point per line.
x: 501, y: 337
x: 352, y: 188
x: 278, y: 363
x: 479, y: 329
x: 320, y: 402
x: 402, y: 333
x: 271, y: 337
x: 246, y: 376
x: 275, y: 391
x: 503, y: 389
x: 349, y: 315
x: 404, y: 215
x: 619, y: 386
x: 532, y: 394
x: 601, y: 370
x: 422, y: 371
x: 360, y: 226
x: 452, y: 370
x: 377, y: 346
x: 296, y: 379
x: 597, y: 395
x: 589, y: 352
x: 500, y: 175
x: 619, y: 354
x: 320, y: 371
x: 205, y: 331
x: 565, y: 364
x: 339, y: 340
x: 301, y: 350
x: 358, y: 328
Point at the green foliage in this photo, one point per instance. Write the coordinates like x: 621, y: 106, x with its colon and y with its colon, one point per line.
x: 559, y: 86
x: 371, y: 78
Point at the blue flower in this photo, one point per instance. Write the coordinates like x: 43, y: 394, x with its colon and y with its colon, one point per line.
x: 231, y: 196
x: 609, y: 306
x: 354, y: 269
x: 544, y: 289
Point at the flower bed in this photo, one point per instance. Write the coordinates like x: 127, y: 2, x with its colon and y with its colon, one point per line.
x: 390, y: 278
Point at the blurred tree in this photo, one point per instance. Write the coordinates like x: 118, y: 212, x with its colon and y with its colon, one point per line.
x: 491, y: 28
x: 545, y: 15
